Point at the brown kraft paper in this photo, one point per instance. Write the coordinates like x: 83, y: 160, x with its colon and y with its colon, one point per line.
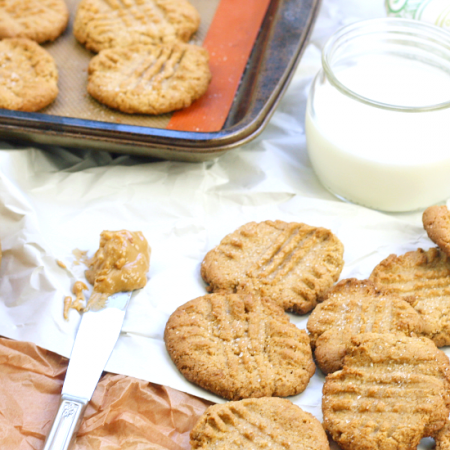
x: 125, y: 413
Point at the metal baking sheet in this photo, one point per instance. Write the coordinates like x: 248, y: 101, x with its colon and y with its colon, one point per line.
x: 75, y: 120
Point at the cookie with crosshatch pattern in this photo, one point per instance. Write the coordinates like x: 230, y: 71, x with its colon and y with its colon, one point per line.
x: 292, y: 264
x: 393, y: 390
x: 101, y: 24
x: 149, y: 79
x: 422, y: 278
x: 353, y: 307
x: 38, y: 20
x: 239, y: 346
x: 254, y: 424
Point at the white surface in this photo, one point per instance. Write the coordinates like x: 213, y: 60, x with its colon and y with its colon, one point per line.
x: 53, y: 202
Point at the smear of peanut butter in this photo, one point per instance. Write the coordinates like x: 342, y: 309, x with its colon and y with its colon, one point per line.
x: 80, y: 257
x: 120, y: 264
x: 67, y: 305
x: 78, y: 303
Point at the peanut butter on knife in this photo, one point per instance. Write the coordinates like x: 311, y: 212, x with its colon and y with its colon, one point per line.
x: 120, y: 264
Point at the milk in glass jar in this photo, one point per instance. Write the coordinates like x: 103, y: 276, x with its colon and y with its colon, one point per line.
x: 378, y: 115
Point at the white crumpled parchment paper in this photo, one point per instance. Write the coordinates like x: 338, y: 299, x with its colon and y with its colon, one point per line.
x: 55, y: 201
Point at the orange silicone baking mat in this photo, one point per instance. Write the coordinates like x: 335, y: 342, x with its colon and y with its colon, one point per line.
x: 228, y: 27
x: 229, y: 42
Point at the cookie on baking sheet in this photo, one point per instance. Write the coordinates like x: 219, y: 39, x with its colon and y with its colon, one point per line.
x: 149, y: 79
x: 392, y: 391
x: 352, y: 307
x: 443, y: 438
x: 253, y: 424
x: 239, y: 346
x: 101, y: 24
x: 436, y: 221
x: 423, y: 279
x: 38, y: 20
x: 28, y: 75
x: 293, y: 264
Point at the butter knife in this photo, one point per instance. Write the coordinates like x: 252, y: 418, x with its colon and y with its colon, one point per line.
x: 95, y: 340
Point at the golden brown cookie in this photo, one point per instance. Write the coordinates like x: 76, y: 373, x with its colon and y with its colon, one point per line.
x: 422, y: 278
x: 239, y: 346
x: 352, y: 307
x: 290, y: 263
x: 443, y: 438
x: 28, y: 75
x: 101, y: 24
x: 149, y: 79
x: 258, y: 424
x: 392, y: 391
x: 38, y: 20
x: 436, y: 221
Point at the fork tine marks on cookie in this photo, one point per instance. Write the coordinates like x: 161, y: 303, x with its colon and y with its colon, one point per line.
x: 423, y: 279
x: 293, y: 264
x: 149, y: 79
x: 392, y: 391
x: 258, y: 424
x: 101, y: 24
x: 38, y: 20
x: 353, y: 307
x: 249, y: 347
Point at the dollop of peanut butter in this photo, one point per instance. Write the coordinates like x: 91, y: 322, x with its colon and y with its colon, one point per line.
x: 120, y: 264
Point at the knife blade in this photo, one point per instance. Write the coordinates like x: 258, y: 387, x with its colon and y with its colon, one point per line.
x: 95, y: 340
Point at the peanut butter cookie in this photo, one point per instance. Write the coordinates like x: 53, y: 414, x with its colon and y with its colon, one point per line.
x: 28, y: 75
x: 422, y: 278
x: 239, y: 346
x: 254, y: 424
x: 101, y: 24
x: 38, y: 20
x: 436, y: 221
x: 353, y: 307
x: 293, y: 264
x: 392, y: 391
x: 149, y: 79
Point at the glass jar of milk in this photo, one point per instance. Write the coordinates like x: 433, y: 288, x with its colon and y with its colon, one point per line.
x: 378, y: 115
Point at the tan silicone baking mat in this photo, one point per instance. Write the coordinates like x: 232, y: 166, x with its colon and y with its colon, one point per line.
x: 73, y: 59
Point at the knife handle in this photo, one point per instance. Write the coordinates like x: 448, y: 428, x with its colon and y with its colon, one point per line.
x: 66, y: 423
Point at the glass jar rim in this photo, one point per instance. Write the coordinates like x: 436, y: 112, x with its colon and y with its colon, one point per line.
x: 395, y: 25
